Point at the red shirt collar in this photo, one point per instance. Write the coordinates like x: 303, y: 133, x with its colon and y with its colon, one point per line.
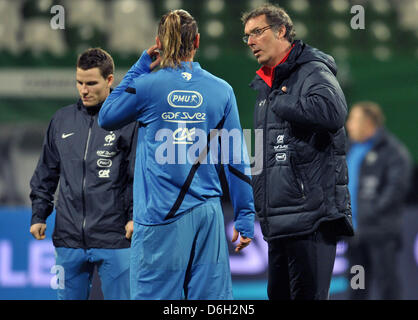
x: 267, y: 73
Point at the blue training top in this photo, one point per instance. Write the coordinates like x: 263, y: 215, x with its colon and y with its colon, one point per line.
x: 190, y: 126
x: 355, y: 157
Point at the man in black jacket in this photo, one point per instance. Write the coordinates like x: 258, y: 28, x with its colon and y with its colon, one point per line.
x: 379, y: 169
x: 94, y: 168
x: 301, y: 196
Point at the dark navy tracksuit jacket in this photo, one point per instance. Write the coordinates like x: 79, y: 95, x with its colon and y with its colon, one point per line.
x: 94, y: 168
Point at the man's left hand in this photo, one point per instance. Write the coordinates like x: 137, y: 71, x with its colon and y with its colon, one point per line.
x: 243, y: 241
x: 154, y: 53
x: 129, y: 229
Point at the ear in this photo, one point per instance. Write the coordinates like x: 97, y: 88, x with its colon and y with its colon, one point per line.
x: 196, y: 42
x: 158, y: 43
x: 109, y: 80
x: 282, y: 31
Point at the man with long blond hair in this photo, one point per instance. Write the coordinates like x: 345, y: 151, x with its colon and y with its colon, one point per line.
x: 179, y: 249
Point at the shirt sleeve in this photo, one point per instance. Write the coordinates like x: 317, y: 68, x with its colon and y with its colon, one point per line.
x: 126, y: 102
x: 234, y: 157
x: 322, y: 106
x: 398, y: 177
x: 45, y: 179
x: 131, y: 169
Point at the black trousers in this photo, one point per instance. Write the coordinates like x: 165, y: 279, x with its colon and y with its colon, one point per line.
x: 379, y: 258
x: 300, y: 268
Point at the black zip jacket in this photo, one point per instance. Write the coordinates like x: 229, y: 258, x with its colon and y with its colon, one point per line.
x: 303, y: 181
x: 94, y: 168
x: 384, y: 181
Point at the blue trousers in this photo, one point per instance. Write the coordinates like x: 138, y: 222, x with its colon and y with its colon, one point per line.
x: 185, y: 259
x: 78, y: 266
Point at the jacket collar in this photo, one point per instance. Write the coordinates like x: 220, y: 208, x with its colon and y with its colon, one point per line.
x: 300, y: 54
x: 186, y: 65
x: 285, y: 69
x: 267, y: 73
x: 378, y: 139
x: 282, y: 70
x: 93, y: 110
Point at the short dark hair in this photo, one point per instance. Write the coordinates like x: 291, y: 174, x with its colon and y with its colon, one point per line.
x: 96, y: 58
x: 372, y: 111
x: 275, y: 16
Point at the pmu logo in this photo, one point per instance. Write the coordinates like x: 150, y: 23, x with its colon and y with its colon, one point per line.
x: 184, y: 135
x: 185, y: 99
x: 104, y: 163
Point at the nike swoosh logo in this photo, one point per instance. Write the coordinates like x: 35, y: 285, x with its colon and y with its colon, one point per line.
x: 64, y: 136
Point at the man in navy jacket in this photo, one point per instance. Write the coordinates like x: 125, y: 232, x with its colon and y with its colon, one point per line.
x: 300, y: 192
x: 94, y: 168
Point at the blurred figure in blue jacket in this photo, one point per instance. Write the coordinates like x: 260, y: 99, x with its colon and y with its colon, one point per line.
x: 379, y: 168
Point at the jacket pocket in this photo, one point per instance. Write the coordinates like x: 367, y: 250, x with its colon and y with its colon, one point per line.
x: 257, y: 185
x: 298, y: 178
x: 342, y: 198
x: 283, y: 188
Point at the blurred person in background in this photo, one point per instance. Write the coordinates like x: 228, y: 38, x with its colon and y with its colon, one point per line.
x: 301, y: 195
x: 9, y: 193
x: 179, y: 246
x: 93, y: 223
x: 379, y: 168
